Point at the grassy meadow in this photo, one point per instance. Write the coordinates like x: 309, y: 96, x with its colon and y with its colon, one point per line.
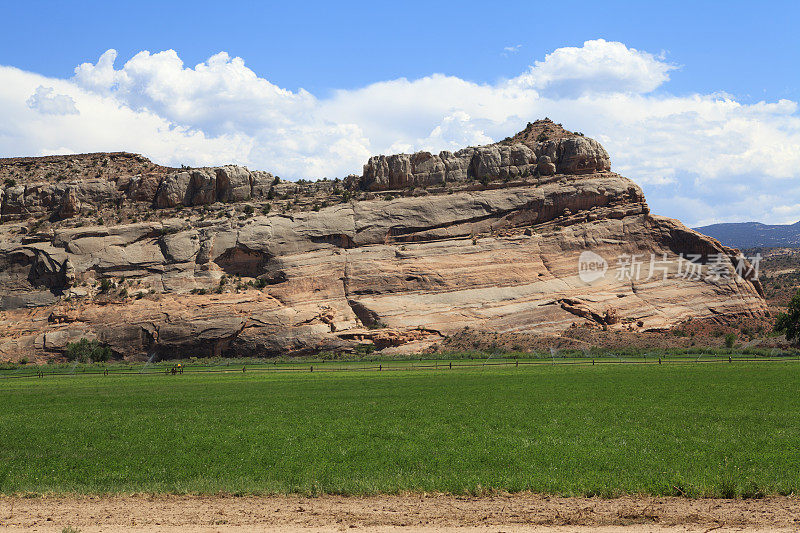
x: 716, y: 429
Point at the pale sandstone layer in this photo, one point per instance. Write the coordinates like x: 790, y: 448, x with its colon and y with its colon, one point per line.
x: 489, y: 239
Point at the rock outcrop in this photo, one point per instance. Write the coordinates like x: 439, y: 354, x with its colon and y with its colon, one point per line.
x: 553, y: 150
x: 490, y: 238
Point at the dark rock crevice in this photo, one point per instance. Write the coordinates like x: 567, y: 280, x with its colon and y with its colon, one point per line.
x: 242, y: 261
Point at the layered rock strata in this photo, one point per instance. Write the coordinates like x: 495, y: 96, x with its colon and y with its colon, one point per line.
x: 486, y: 238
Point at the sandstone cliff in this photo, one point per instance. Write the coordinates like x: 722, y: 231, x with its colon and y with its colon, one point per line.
x: 225, y: 261
x: 543, y: 148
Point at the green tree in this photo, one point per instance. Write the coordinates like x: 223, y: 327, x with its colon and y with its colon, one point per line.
x: 730, y: 340
x: 85, y: 350
x: 788, y: 323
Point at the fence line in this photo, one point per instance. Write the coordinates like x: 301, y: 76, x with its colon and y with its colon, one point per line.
x: 356, y: 366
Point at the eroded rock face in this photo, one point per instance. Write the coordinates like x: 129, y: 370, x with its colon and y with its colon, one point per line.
x: 205, y: 186
x: 70, y: 205
x: 406, y: 263
x: 21, y: 202
x: 234, y: 184
x: 174, y: 190
x: 502, y: 257
x: 553, y: 150
x: 580, y: 155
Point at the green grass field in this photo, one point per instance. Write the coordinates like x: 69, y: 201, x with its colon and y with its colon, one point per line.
x: 715, y: 429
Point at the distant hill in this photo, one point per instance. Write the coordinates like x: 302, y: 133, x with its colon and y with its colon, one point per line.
x: 754, y: 234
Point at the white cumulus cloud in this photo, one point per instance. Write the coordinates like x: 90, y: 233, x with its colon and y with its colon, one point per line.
x: 45, y: 101
x: 598, y: 66
x: 700, y: 157
x: 218, y: 95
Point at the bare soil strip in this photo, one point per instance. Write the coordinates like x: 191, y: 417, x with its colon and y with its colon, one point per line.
x: 413, y: 512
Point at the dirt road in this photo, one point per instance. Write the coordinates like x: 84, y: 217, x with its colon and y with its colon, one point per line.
x: 414, y: 512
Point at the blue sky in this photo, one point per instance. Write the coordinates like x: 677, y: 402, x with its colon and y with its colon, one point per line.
x: 749, y: 50
x: 696, y: 101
